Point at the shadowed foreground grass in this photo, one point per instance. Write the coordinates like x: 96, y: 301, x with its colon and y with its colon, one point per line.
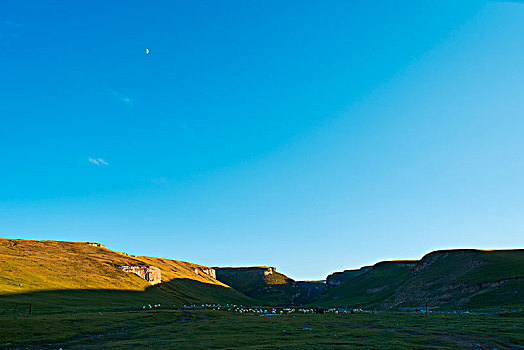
x: 194, y: 328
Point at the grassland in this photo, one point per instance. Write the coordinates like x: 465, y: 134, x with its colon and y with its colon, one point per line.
x: 198, y: 329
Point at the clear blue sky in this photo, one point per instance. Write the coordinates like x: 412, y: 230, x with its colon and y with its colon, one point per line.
x: 313, y: 136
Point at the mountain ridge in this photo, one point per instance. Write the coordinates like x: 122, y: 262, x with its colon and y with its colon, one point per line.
x: 449, y: 278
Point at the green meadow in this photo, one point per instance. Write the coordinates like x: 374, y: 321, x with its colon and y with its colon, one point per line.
x: 106, y: 328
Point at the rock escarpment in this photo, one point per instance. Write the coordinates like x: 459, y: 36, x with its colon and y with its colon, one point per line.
x: 208, y: 271
x: 151, y: 274
x: 211, y: 272
x: 96, y: 244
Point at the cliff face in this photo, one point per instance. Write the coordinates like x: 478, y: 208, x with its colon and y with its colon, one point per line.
x: 151, y: 274
x: 95, y: 244
x: 205, y: 270
x: 210, y: 272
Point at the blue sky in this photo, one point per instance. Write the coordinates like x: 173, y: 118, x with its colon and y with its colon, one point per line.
x: 310, y: 136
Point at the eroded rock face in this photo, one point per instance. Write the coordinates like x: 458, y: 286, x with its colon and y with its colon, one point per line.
x: 95, y: 244
x: 269, y: 271
x: 210, y: 272
x: 152, y: 274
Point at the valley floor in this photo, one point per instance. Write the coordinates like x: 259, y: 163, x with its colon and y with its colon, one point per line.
x: 199, y: 328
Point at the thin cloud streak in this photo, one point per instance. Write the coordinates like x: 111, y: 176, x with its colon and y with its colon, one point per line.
x: 97, y: 161
x: 119, y: 95
x: 94, y: 161
x: 14, y: 24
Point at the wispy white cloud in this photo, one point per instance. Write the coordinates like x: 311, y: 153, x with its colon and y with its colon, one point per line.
x: 97, y: 161
x: 94, y: 161
x: 14, y: 24
x: 103, y: 162
x: 119, y: 95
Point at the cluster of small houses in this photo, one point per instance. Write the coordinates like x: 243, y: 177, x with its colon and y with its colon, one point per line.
x: 262, y: 311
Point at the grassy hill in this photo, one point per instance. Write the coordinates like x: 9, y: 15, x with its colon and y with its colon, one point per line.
x: 269, y: 286
x: 337, y: 278
x: 54, y: 274
x: 259, y: 282
x: 448, y: 279
x: 51, y: 274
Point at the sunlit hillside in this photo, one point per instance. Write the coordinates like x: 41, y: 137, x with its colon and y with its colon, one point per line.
x: 53, y: 272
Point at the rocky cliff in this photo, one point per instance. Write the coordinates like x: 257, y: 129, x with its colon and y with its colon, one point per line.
x: 205, y: 270
x: 152, y: 274
x: 96, y: 244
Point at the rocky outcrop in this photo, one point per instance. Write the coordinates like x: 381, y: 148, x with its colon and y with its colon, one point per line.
x: 95, y: 244
x: 152, y: 274
x: 269, y: 271
x: 208, y: 271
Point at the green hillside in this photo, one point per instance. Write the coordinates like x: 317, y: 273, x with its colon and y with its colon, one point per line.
x: 337, y: 278
x: 260, y: 282
x: 371, y: 287
x: 55, y: 274
x: 449, y: 279
x: 51, y: 274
